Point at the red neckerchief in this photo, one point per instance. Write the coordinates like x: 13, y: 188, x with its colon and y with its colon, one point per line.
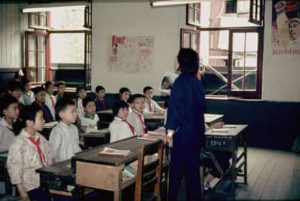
x: 130, y: 126
x: 142, y: 120
x: 36, y: 143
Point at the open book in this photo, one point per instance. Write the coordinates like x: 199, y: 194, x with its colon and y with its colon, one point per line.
x: 114, y: 152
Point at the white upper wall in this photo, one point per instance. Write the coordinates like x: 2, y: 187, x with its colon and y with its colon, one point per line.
x: 281, y: 73
x: 135, y: 19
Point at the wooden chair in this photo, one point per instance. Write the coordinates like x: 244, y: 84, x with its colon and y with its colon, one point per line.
x: 148, y: 178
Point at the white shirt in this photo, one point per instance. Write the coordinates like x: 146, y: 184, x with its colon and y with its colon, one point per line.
x: 7, y: 136
x: 64, y: 141
x: 79, y: 107
x: 154, y: 107
x: 138, y: 124
x: 50, y: 105
x: 23, y: 159
x: 119, y: 130
x: 90, y: 123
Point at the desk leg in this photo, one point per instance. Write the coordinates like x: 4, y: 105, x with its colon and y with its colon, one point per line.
x: 117, y: 195
x: 246, y: 159
x: 233, y: 170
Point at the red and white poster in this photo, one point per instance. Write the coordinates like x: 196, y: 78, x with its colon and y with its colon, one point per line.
x: 286, y: 27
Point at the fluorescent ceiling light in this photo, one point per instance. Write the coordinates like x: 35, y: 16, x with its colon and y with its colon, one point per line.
x: 46, y: 9
x: 173, y: 2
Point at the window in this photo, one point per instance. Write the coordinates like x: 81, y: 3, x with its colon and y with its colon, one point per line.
x: 38, y: 20
x: 230, y: 47
x: 189, y: 39
x: 256, y: 12
x: 194, y: 14
x: 36, y: 57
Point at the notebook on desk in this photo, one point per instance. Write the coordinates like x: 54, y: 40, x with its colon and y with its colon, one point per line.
x: 115, y: 152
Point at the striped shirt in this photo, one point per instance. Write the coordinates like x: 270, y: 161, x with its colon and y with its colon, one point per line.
x: 64, y: 141
x: 90, y: 123
x: 152, y: 107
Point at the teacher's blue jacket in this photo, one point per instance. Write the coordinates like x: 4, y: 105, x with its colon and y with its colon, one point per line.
x: 186, y: 109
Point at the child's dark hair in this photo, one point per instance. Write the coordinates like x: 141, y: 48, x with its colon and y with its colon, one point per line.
x: 98, y: 88
x: 62, y: 104
x: 24, y: 81
x: 14, y: 85
x: 48, y: 84
x: 86, y: 100
x: 60, y: 83
x: 146, y: 89
x: 135, y: 96
x: 117, y: 106
x: 79, y: 88
x: 28, y: 114
x: 123, y: 90
x: 6, y: 101
x: 36, y: 90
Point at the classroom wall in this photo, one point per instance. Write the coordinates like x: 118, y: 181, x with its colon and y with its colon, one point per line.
x: 135, y: 19
x: 11, y: 32
x: 281, y: 73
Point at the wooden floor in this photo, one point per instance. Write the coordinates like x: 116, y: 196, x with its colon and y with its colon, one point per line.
x: 272, y: 175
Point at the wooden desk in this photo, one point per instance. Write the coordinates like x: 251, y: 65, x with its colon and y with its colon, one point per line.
x: 229, y: 140
x: 212, y: 120
x: 105, y: 172
x: 4, y: 176
x: 106, y: 117
x: 96, y: 138
x: 58, y: 178
x: 154, y: 121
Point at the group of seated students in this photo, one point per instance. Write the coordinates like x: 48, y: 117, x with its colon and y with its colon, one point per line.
x: 24, y: 112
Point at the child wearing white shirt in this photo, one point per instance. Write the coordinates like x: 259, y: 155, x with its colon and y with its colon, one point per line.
x: 120, y: 128
x: 50, y: 99
x: 64, y: 137
x: 151, y: 107
x: 81, y: 94
x: 89, y: 118
x: 136, y: 117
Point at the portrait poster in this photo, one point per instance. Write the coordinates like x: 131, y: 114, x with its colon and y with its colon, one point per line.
x: 131, y: 54
x: 286, y: 27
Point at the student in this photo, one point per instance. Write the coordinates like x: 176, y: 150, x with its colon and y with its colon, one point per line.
x: 64, y: 137
x: 29, y: 152
x: 185, y: 119
x: 9, y: 112
x: 27, y: 95
x: 100, y: 102
x: 40, y: 94
x: 124, y: 93
x: 151, y: 107
x: 50, y: 99
x: 135, y: 117
x: 89, y: 118
x: 15, y: 89
x: 61, y: 87
x: 120, y: 128
x: 81, y: 94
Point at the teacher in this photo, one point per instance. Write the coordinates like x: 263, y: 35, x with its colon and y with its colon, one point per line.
x: 185, y: 121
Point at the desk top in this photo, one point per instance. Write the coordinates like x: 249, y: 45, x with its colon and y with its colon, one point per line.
x: 59, y: 169
x: 227, y: 130
x: 155, y: 117
x: 105, y: 112
x: 93, y: 156
x: 209, y: 118
x: 99, y: 133
x: 50, y: 124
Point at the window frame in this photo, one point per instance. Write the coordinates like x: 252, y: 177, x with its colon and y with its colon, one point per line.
x: 196, y: 12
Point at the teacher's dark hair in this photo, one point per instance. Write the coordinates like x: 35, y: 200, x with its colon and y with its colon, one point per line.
x: 188, y: 60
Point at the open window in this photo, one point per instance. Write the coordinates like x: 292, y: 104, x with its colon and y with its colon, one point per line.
x: 66, y: 54
x: 230, y: 46
x: 256, y: 15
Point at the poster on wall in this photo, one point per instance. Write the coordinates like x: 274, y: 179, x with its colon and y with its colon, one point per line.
x: 286, y: 27
x: 131, y: 54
